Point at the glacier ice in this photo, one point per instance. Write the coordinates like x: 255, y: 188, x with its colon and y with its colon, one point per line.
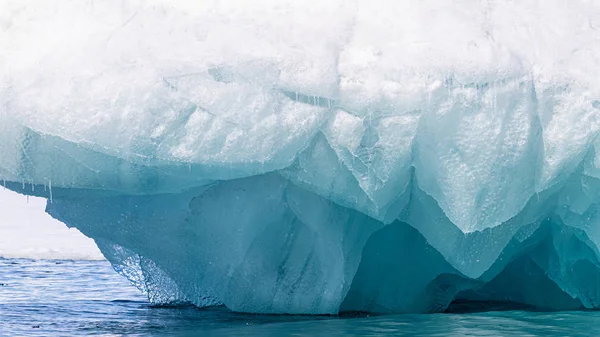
x: 281, y: 157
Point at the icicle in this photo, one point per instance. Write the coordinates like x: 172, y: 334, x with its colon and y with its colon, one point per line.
x: 22, y: 184
x: 190, y: 167
x: 32, y: 186
x: 4, y: 183
x: 50, y: 189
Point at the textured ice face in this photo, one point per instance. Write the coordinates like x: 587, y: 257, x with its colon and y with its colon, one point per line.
x: 282, y: 157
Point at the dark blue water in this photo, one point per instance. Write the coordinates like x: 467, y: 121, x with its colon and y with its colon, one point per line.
x: 72, y: 298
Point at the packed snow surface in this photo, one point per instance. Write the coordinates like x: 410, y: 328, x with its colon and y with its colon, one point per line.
x: 294, y: 157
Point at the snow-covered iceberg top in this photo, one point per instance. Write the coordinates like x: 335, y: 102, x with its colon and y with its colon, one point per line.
x: 261, y: 154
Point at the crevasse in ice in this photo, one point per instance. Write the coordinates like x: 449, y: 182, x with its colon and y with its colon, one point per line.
x: 294, y: 157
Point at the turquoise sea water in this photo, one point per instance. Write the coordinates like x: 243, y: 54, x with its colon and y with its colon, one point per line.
x: 73, y: 298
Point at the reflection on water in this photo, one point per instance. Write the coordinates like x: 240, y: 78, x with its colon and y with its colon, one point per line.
x: 67, y: 298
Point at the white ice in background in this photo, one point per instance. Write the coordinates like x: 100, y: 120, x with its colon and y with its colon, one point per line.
x: 294, y: 157
x: 26, y: 231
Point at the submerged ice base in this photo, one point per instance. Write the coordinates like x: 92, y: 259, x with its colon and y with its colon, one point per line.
x: 276, y: 157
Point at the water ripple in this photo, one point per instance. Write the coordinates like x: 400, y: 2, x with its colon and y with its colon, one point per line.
x: 75, y: 298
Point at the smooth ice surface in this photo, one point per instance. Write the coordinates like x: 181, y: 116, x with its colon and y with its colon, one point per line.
x: 285, y: 157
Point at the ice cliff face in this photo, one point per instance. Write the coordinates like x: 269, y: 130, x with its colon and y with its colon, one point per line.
x: 285, y: 157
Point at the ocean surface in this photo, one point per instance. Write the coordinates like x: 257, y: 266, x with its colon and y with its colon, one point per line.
x: 80, y: 298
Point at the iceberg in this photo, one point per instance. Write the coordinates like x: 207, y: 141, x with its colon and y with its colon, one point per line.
x: 285, y: 157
